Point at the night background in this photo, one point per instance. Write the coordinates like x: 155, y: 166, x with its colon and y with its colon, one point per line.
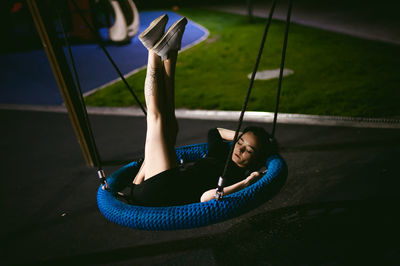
x: 338, y: 131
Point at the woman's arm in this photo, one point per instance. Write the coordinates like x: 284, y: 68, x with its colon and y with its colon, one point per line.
x: 227, y: 134
x: 253, y: 177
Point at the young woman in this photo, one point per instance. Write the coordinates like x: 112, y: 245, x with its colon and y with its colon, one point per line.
x: 160, y: 181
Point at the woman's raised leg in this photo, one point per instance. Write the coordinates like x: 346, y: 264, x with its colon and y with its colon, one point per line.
x: 159, y: 152
x: 162, y: 127
x: 169, y: 81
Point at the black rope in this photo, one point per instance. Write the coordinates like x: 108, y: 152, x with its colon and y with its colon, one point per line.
x: 278, y: 94
x: 220, y: 187
x: 97, y: 159
x: 108, y: 56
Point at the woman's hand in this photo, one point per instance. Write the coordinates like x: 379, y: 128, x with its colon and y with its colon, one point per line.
x: 227, y: 134
x: 252, y: 178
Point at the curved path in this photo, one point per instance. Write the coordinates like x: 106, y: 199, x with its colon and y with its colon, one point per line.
x: 26, y: 78
x: 37, y: 89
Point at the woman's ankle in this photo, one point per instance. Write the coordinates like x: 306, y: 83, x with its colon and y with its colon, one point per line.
x: 154, y: 59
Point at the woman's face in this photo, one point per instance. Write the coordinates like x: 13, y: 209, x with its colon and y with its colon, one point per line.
x: 245, y: 150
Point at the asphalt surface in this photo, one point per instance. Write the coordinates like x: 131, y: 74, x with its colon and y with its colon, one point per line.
x: 339, y: 205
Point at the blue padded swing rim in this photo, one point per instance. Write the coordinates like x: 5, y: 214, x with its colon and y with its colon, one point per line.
x: 184, y: 216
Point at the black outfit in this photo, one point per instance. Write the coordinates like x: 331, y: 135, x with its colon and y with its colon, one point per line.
x: 185, y: 184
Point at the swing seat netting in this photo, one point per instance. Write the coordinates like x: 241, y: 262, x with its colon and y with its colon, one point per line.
x: 190, y: 215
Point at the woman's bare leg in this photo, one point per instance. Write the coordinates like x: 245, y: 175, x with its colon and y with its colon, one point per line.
x: 162, y: 127
x: 169, y: 81
x: 159, y: 152
x: 168, y: 76
x: 140, y: 175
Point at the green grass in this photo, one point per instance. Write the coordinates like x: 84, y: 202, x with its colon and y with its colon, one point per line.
x: 334, y: 74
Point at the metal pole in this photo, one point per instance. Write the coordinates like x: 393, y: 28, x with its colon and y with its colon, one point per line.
x: 62, y: 74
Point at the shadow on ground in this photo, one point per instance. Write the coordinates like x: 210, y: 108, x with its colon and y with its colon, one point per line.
x: 328, y: 233
x: 338, y: 207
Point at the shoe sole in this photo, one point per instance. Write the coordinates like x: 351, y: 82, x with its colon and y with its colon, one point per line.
x: 147, y: 32
x: 174, y: 29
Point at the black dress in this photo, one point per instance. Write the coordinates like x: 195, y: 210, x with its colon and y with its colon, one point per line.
x: 185, y: 184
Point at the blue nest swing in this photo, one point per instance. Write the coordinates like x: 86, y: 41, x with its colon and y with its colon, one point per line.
x: 190, y: 215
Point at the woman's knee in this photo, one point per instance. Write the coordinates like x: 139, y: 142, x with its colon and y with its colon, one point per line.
x: 155, y: 119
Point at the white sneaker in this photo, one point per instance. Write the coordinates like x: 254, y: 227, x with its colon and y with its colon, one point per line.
x: 154, y: 31
x: 171, y: 40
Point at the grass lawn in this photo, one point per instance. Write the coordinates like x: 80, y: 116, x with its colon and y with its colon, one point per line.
x: 334, y: 74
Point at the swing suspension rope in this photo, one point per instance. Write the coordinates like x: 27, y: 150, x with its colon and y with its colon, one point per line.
x: 99, y: 42
x: 220, y: 186
x: 191, y: 215
x: 278, y: 94
x: 219, y: 193
x: 97, y: 159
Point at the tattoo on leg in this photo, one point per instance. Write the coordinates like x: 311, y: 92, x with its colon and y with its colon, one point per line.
x: 151, y: 81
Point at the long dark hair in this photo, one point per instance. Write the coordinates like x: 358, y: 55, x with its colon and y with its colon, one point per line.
x: 267, y: 145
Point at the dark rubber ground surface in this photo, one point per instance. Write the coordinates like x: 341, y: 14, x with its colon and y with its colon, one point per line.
x: 338, y: 207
